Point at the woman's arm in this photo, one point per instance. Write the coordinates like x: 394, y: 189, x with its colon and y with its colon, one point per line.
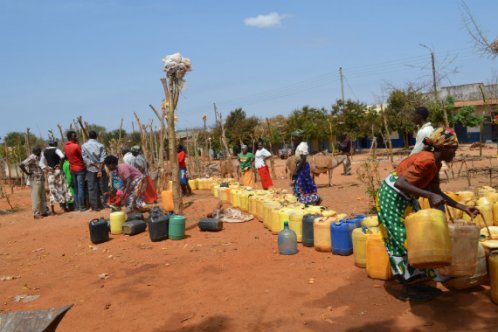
x: 470, y: 210
x: 408, y: 188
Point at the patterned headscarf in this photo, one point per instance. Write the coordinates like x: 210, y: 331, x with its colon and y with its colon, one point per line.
x: 442, y: 137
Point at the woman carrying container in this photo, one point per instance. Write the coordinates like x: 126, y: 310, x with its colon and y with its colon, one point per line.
x: 416, y: 176
x: 134, y: 184
x: 262, y: 155
x: 303, y: 185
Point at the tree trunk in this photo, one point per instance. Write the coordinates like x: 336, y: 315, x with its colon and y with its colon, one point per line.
x: 388, y: 134
x: 160, y: 161
x: 272, y: 163
x: 171, y: 99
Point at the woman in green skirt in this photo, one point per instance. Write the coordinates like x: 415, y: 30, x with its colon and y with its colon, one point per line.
x: 416, y: 176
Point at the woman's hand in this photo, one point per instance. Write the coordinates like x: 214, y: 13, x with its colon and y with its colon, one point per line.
x: 472, y: 211
x: 436, y: 200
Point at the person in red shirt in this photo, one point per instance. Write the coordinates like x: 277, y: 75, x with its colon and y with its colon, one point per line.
x: 77, y: 167
x: 186, y: 190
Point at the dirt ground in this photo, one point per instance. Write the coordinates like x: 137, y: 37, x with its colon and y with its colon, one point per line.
x: 233, y: 280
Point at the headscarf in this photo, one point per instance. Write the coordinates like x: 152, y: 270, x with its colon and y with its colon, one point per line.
x: 441, y: 137
x: 135, y: 148
x: 243, y: 146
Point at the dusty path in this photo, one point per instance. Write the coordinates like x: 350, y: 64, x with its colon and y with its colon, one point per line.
x: 233, y: 280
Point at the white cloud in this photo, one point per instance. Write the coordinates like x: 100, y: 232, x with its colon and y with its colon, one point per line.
x: 265, y: 21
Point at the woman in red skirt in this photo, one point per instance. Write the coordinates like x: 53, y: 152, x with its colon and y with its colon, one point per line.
x: 260, y: 163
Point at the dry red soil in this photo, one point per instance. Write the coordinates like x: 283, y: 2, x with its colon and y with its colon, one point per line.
x: 233, y: 280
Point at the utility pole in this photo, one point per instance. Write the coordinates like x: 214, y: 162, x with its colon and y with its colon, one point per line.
x: 434, y: 82
x: 341, y: 76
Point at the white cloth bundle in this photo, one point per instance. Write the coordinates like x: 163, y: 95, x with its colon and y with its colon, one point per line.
x: 176, y: 66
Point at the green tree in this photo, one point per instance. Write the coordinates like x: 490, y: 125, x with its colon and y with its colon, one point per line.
x: 400, y: 107
x: 239, y: 127
x: 313, y: 121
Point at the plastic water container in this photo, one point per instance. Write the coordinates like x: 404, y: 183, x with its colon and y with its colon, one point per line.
x: 486, y: 216
x: 287, y: 241
x: 267, y: 208
x: 133, y: 227
x: 371, y: 221
x: 340, y: 233
x: 176, y: 227
x: 260, y: 201
x: 493, y: 275
x: 321, y: 234
x: 308, y: 238
x: 235, y: 200
x: 193, y: 184
x: 252, y: 204
x: 117, y: 220
x: 275, y: 224
x: 478, y: 278
x: 244, y: 200
x: 99, y: 231
x: 167, y: 198
x: 134, y: 216
x: 223, y: 194
x: 464, y: 241
x: 359, y: 237
x: 428, y: 239
x: 210, y: 225
x: 158, y: 226
x: 296, y: 224
x: 378, y: 266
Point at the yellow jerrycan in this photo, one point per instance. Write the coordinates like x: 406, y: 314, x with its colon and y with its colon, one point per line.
x: 428, y: 239
x: 377, y: 260
x: 234, y: 198
x: 495, y: 214
x: 296, y: 223
x: 370, y: 221
x: 359, y: 246
x: 486, y: 216
x: 275, y: 224
x: 117, y: 220
x: 167, y: 198
x: 193, y: 184
x: 244, y: 200
x: 321, y: 233
x: 493, y: 275
x: 267, y: 211
x: 452, y: 213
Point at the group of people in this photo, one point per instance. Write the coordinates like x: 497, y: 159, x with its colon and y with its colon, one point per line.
x: 304, y: 187
x: 83, y: 177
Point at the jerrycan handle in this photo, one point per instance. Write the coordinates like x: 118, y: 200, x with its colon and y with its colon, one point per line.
x: 94, y: 220
x: 449, y: 214
x: 485, y: 223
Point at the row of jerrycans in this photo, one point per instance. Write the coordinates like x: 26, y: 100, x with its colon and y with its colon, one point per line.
x: 487, y: 203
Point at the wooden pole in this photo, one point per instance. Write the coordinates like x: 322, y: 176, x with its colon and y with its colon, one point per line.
x: 83, y: 127
x: 171, y: 92
x: 161, y: 118
x: 388, y: 134
x: 62, y: 133
x: 28, y: 143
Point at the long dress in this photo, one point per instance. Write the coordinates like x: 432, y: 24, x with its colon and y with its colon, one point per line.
x: 304, y: 187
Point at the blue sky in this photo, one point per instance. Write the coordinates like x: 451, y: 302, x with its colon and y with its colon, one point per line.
x: 102, y: 59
